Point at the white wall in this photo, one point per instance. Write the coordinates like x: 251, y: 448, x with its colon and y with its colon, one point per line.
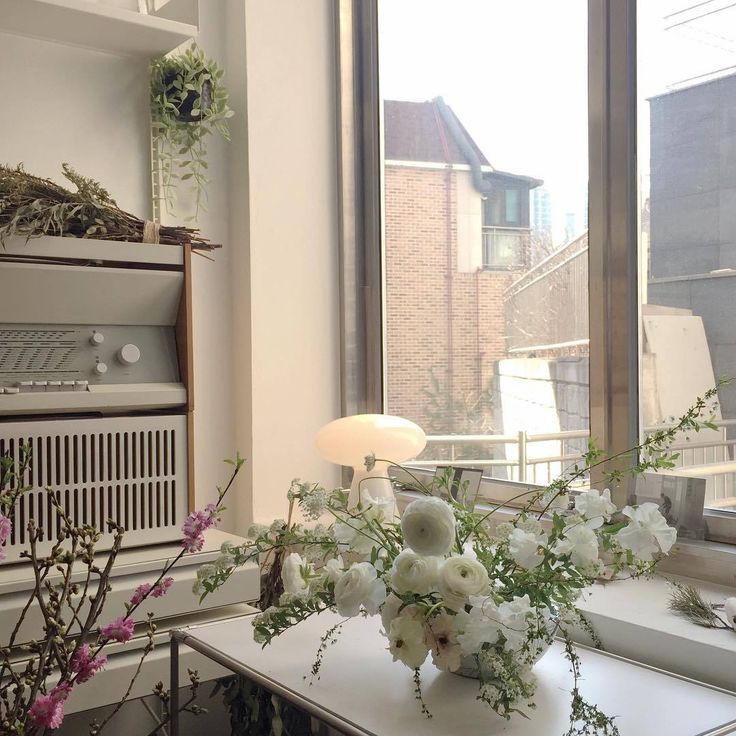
x: 293, y: 357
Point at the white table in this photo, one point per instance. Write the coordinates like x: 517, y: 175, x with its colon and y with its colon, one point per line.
x: 362, y: 692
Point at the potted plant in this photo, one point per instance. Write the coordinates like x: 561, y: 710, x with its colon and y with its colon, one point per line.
x: 188, y: 102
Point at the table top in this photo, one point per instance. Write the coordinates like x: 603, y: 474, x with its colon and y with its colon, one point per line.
x: 362, y: 692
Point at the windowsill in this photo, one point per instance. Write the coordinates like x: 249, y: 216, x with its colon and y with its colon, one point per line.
x: 632, y: 619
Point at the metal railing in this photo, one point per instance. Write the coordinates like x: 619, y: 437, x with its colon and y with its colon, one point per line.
x: 541, y: 457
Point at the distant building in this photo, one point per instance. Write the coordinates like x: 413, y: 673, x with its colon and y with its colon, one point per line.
x: 457, y: 233
x: 541, y: 212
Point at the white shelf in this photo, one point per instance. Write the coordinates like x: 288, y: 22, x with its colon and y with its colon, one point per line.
x: 94, y: 25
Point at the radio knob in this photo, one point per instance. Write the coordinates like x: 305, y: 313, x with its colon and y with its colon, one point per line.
x: 129, y: 354
x: 97, y: 339
x: 101, y: 369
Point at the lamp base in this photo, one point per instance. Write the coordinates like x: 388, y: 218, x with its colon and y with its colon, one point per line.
x: 375, y: 481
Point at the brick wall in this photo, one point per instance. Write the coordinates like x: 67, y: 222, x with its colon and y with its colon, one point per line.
x: 439, y: 321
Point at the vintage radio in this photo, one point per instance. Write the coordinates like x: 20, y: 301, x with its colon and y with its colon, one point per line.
x: 95, y: 378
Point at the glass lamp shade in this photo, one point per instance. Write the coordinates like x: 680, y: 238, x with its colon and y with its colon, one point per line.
x: 349, y: 440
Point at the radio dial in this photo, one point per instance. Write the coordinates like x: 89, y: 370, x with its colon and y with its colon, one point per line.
x: 129, y: 354
x: 97, y: 338
x: 101, y: 369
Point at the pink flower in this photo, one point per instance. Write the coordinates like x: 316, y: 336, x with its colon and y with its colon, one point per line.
x: 162, y: 588
x: 47, y: 711
x: 121, y: 629
x: 140, y: 593
x: 195, y: 525
x: 6, y: 527
x: 85, y: 665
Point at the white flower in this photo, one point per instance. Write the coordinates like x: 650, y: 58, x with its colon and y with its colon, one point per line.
x: 440, y: 638
x: 390, y: 610
x: 377, y: 509
x: 291, y: 574
x: 459, y: 578
x: 729, y: 608
x: 333, y: 569
x: 413, y: 573
x: 355, y: 533
x: 595, y: 507
x: 314, y: 502
x: 481, y: 625
x: 256, y: 530
x: 428, y: 526
x: 580, y: 542
x: 647, y: 525
x: 406, y: 641
x: 359, y: 586
x: 515, y: 615
x: 524, y: 548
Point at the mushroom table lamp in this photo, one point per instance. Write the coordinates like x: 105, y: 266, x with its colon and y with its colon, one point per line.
x: 349, y: 440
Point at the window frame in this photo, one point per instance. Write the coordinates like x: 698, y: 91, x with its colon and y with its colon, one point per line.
x: 613, y: 225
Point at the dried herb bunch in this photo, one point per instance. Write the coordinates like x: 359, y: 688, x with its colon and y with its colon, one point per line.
x: 31, y: 206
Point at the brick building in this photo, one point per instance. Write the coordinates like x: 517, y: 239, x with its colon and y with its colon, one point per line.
x: 456, y: 235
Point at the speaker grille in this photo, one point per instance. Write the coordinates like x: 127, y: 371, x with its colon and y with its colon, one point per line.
x: 36, y: 351
x: 131, y: 470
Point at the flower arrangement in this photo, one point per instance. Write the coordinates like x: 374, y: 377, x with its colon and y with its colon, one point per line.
x: 478, y: 599
x: 70, y: 588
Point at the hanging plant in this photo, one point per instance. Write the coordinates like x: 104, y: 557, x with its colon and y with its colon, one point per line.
x: 188, y: 102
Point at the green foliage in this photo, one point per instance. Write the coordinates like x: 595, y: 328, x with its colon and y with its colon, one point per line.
x: 188, y: 102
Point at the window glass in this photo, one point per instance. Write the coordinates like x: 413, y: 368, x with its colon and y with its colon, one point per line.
x: 687, y: 174
x: 485, y: 217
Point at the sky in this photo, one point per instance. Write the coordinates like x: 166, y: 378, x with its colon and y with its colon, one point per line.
x: 515, y: 73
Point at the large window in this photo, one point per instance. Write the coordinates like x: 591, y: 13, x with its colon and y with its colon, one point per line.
x: 480, y: 347
x: 554, y: 246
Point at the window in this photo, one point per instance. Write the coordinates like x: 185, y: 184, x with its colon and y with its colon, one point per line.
x: 492, y: 339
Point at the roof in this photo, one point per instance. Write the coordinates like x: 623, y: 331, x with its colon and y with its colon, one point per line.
x: 415, y: 131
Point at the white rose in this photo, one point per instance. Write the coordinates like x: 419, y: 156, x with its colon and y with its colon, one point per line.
x: 595, y: 507
x: 459, y: 578
x: 428, y: 526
x: 406, y: 641
x: 580, y: 542
x: 524, y: 548
x: 729, y: 608
x: 646, y: 527
x: 413, y: 573
x: 291, y: 574
x: 359, y: 586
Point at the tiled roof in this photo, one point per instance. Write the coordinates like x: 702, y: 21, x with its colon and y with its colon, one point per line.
x: 415, y: 131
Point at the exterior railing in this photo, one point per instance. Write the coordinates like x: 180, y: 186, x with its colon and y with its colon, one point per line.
x: 541, y: 457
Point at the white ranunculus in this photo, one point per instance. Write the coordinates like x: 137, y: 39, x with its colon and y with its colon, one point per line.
x: 407, y: 641
x: 729, y: 608
x: 580, y: 542
x: 428, y: 526
x: 459, y: 578
x: 413, y: 573
x: 647, y: 532
x: 524, y: 548
x: 291, y: 574
x: 440, y: 638
x: 357, y: 587
x: 595, y: 507
x: 481, y: 625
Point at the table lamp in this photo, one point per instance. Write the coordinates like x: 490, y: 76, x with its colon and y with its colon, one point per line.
x: 391, y: 439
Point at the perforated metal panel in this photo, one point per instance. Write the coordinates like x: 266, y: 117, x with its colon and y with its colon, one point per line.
x: 37, y: 351
x: 132, y: 470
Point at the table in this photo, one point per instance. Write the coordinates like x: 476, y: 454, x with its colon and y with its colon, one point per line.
x: 362, y: 692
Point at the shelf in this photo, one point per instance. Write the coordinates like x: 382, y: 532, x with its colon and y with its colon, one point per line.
x: 96, y: 26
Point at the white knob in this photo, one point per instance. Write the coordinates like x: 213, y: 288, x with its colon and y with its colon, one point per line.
x: 101, y: 369
x: 129, y: 354
x: 97, y: 338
